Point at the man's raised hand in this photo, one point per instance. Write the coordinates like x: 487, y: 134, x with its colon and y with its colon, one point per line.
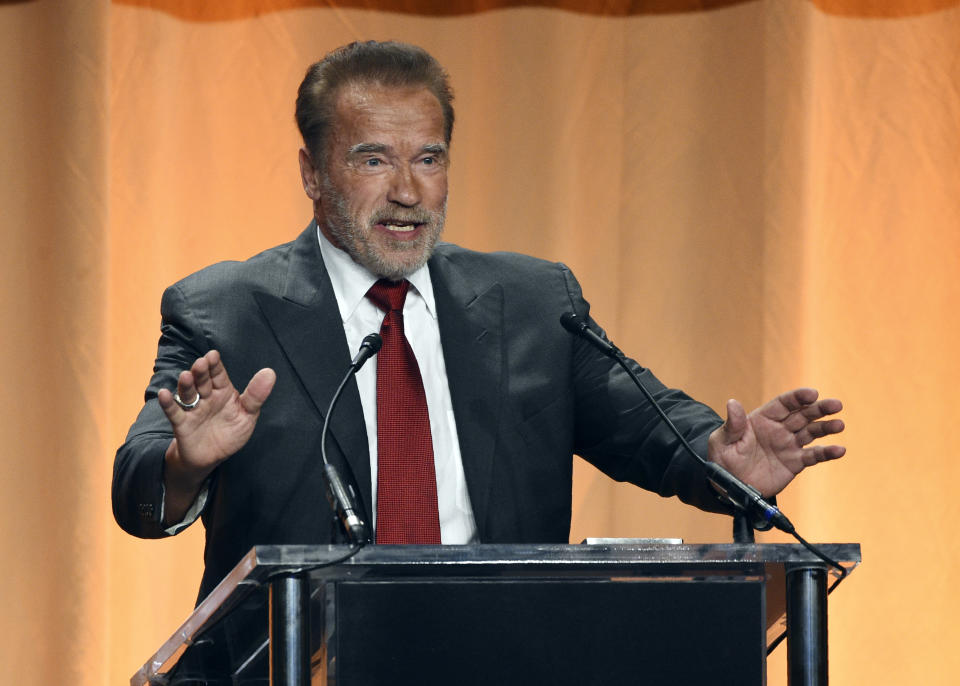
x: 768, y: 447
x: 206, y: 435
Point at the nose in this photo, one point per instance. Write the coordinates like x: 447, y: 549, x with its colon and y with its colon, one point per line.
x: 404, y: 187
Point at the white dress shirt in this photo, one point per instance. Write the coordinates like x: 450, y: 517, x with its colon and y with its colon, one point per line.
x: 360, y: 318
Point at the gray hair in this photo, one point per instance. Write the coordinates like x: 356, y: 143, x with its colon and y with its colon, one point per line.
x: 384, y: 63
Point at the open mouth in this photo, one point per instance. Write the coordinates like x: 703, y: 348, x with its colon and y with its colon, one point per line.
x: 401, y: 227
x: 397, y: 227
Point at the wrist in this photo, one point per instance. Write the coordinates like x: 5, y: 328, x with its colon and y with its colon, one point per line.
x: 179, y: 476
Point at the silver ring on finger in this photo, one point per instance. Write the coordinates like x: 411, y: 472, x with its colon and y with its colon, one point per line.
x: 186, y: 407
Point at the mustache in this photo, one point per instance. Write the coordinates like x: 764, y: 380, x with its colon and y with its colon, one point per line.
x: 412, y: 216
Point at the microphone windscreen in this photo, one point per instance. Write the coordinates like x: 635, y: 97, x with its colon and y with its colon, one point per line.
x: 571, y: 322
x: 372, y: 341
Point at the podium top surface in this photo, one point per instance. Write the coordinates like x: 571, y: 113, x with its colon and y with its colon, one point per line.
x: 432, y: 558
x: 639, y: 559
x: 634, y: 559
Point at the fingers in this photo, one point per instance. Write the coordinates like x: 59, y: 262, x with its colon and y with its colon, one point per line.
x: 219, y: 378
x: 795, y: 421
x: 187, y: 392
x: 797, y: 399
x: 797, y: 408
x: 187, y: 385
x: 736, y: 424
x: 805, y: 411
x: 205, y: 379
x: 198, y: 382
x: 827, y: 428
x: 209, y: 375
x: 167, y: 404
x: 197, y: 379
x: 258, y: 390
x: 831, y: 452
x: 822, y: 453
x: 199, y: 375
x: 816, y: 430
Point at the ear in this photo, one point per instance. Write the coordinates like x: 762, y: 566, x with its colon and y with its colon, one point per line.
x: 309, y: 175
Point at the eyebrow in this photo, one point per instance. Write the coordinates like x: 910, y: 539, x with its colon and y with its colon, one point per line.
x: 364, y: 148
x: 435, y: 149
x: 361, y: 148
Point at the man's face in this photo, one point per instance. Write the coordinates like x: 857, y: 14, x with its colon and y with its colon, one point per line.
x: 381, y: 192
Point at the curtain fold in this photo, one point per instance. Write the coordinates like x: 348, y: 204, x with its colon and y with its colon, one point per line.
x: 55, y: 355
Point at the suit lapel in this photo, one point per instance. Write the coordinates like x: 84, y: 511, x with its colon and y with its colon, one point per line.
x: 470, y: 316
x: 306, y: 323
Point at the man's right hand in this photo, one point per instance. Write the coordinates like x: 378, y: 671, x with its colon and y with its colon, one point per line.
x: 211, y: 432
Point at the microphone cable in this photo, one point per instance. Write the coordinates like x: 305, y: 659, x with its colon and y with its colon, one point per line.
x: 750, y: 500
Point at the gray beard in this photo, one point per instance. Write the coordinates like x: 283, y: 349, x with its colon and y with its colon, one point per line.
x: 355, y: 240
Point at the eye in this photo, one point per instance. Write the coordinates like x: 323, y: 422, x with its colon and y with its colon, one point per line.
x: 373, y: 162
x: 429, y: 161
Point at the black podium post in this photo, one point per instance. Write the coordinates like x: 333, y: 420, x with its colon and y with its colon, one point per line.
x: 806, y: 624
x: 290, y: 630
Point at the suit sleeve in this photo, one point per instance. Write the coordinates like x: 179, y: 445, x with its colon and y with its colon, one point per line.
x: 137, y: 491
x: 620, y: 432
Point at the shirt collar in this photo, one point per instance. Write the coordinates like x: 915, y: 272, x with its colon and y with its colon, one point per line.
x: 351, y: 281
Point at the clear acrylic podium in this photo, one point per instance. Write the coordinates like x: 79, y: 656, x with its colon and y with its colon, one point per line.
x: 604, y: 614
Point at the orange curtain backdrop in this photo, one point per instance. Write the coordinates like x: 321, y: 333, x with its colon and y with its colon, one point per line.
x: 755, y: 195
x: 54, y: 207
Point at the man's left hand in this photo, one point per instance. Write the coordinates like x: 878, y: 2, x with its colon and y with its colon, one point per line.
x: 767, y: 447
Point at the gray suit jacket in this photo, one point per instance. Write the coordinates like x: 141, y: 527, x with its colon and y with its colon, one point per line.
x: 526, y: 396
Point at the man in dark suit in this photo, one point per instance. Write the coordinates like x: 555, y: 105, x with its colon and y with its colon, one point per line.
x: 511, y: 395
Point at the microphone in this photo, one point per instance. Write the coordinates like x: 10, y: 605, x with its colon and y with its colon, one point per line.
x: 342, y: 498
x: 572, y: 323
x: 744, y: 497
x: 368, y: 348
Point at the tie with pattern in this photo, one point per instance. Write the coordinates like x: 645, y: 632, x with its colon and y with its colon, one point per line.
x: 406, y: 479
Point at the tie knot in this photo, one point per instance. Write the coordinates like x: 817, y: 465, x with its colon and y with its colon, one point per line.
x: 389, y: 295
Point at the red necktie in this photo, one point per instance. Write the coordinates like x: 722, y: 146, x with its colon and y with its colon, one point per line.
x: 406, y: 480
